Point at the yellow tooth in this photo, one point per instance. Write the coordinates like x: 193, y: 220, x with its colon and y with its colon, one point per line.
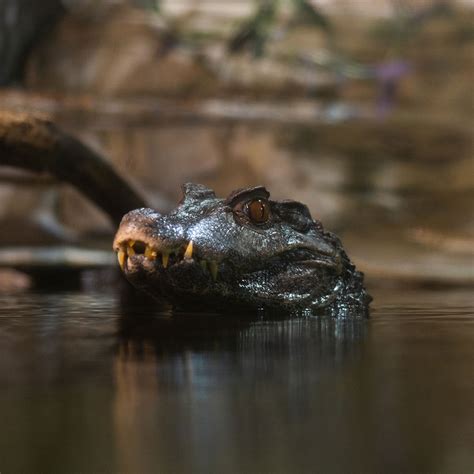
x: 121, y: 258
x: 131, y: 243
x: 164, y: 258
x: 188, y: 255
x: 130, y: 251
x: 213, y: 269
x: 150, y: 253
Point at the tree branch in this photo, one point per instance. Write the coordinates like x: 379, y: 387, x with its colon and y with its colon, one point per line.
x: 34, y: 143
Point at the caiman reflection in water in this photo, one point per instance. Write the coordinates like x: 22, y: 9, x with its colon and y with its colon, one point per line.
x: 205, y: 379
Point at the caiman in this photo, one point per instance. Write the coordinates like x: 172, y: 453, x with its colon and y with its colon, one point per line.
x: 244, y: 250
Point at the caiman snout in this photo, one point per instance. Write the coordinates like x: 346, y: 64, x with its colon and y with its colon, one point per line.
x: 141, y: 232
x: 147, y: 233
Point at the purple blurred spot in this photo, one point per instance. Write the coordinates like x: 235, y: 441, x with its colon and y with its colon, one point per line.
x: 388, y: 75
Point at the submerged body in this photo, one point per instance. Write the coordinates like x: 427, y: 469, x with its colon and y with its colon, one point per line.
x: 245, y: 250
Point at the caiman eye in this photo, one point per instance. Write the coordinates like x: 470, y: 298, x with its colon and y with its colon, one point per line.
x: 258, y: 211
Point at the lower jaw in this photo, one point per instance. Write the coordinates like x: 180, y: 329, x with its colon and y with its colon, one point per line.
x: 172, y: 285
x: 186, y: 285
x: 207, y: 299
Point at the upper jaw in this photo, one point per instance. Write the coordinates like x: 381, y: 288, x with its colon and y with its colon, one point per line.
x: 145, y: 239
x: 145, y: 251
x: 137, y: 236
x: 161, y: 256
x: 153, y: 251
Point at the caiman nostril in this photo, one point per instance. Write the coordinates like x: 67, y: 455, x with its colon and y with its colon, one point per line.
x: 139, y: 247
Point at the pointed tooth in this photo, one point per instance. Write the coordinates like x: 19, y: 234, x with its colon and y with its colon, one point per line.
x: 130, y: 251
x: 164, y: 258
x: 188, y: 254
x: 213, y: 268
x: 121, y: 258
x: 150, y: 253
x: 131, y: 243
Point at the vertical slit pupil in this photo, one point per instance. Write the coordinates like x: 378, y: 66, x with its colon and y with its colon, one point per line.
x: 258, y: 211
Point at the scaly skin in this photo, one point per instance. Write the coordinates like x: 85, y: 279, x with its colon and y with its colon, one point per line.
x: 245, y: 250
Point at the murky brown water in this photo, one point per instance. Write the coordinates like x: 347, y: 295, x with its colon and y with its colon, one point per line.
x: 92, y: 385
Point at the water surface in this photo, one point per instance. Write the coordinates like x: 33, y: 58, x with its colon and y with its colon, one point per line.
x: 91, y: 384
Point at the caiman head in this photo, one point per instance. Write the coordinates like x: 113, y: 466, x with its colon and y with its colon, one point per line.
x: 243, y: 250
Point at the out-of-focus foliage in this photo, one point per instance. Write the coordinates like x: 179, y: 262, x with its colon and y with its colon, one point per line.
x: 307, y: 13
x: 154, y: 5
x: 254, y: 33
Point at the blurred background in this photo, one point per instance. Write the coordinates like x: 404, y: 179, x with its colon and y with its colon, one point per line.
x: 363, y: 111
